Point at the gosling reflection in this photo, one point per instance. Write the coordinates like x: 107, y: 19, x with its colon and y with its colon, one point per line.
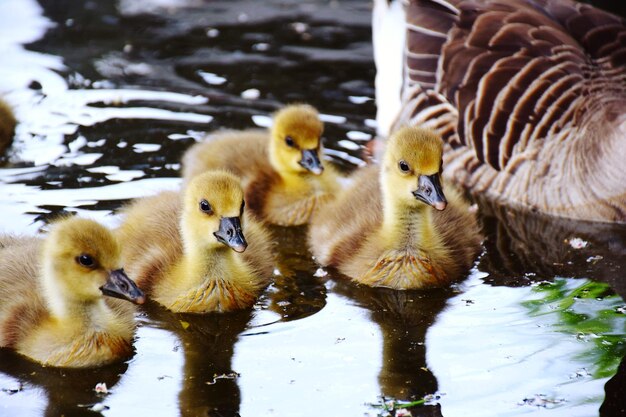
x: 521, y: 242
x: 209, y: 385
x: 296, y: 293
x: 70, y: 391
x: 403, y: 317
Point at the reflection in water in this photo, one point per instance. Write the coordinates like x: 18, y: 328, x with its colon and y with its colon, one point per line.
x: 614, y: 403
x: 296, y: 293
x: 525, y: 247
x: 108, y: 101
x: 500, y: 351
x: 403, y: 317
x: 70, y: 392
x: 209, y: 384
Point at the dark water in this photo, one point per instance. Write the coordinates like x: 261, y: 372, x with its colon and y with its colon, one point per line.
x: 109, y: 96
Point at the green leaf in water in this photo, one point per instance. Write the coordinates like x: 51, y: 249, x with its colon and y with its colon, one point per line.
x: 590, y: 311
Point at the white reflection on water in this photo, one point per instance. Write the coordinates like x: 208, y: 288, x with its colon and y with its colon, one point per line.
x: 28, y: 402
x: 153, y: 380
x: 310, y: 368
x: 20, y: 202
x: 488, y: 355
x: 48, y: 113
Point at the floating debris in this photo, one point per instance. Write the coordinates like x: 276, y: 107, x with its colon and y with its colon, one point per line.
x: 12, y: 391
x: 216, y: 377
x: 580, y: 373
x: 577, y: 243
x: 594, y: 259
x: 98, y: 407
x: 541, y: 400
x: 101, y: 388
x: 184, y: 324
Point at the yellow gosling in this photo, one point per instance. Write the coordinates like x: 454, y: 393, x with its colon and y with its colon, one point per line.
x: 197, y: 252
x: 282, y: 173
x: 394, y: 227
x: 53, y: 307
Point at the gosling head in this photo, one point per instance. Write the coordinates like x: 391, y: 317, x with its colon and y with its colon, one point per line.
x: 296, y: 140
x: 82, y: 263
x: 412, y: 167
x: 213, y: 208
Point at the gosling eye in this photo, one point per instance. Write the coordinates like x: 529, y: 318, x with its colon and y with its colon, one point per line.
x: 290, y: 142
x: 205, y: 207
x: 85, y: 260
x: 243, y: 204
x: 404, y: 167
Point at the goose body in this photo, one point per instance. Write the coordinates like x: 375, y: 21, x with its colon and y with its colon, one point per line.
x: 529, y: 96
x: 52, y: 304
x: 197, y: 251
x: 282, y: 173
x: 394, y: 227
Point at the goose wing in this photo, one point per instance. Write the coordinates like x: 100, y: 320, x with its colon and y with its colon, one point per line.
x: 495, y: 75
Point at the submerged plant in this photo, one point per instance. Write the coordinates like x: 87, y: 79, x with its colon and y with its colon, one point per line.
x: 390, y: 407
x: 592, y: 313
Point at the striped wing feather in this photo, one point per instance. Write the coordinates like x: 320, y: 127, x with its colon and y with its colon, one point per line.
x: 496, y: 75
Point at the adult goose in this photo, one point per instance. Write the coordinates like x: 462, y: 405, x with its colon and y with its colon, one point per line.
x: 529, y: 95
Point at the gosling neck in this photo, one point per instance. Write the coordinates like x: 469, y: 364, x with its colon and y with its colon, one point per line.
x: 201, y: 255
x: 406, y: 223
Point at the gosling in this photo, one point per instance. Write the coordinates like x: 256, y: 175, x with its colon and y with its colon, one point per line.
x: 394, y: 227
x: 284, y: 178
x: 199, y: 252
x: 53, y: 308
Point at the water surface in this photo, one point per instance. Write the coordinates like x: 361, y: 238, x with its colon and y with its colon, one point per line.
x: 110, y: 94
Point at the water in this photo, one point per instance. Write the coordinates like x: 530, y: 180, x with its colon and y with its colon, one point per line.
x: 110, y: 94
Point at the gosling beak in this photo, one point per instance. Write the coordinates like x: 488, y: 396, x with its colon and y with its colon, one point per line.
x: 120, y: 286
x: 429, y: 191
x: 311, y: 161
x: 231, y: 235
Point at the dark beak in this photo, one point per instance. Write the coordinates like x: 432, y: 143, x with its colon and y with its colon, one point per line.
x: 120, y: 286
x: 231, y: 235
x: 311, y: 161
x: 429, y: 191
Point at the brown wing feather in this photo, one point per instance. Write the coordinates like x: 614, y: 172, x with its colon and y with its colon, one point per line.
x: 339, y: 228
x: 21, y: 304
x: 244, y: 153
x: 240, y: 152
x: 151, y: 237
x: 511, y: 71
